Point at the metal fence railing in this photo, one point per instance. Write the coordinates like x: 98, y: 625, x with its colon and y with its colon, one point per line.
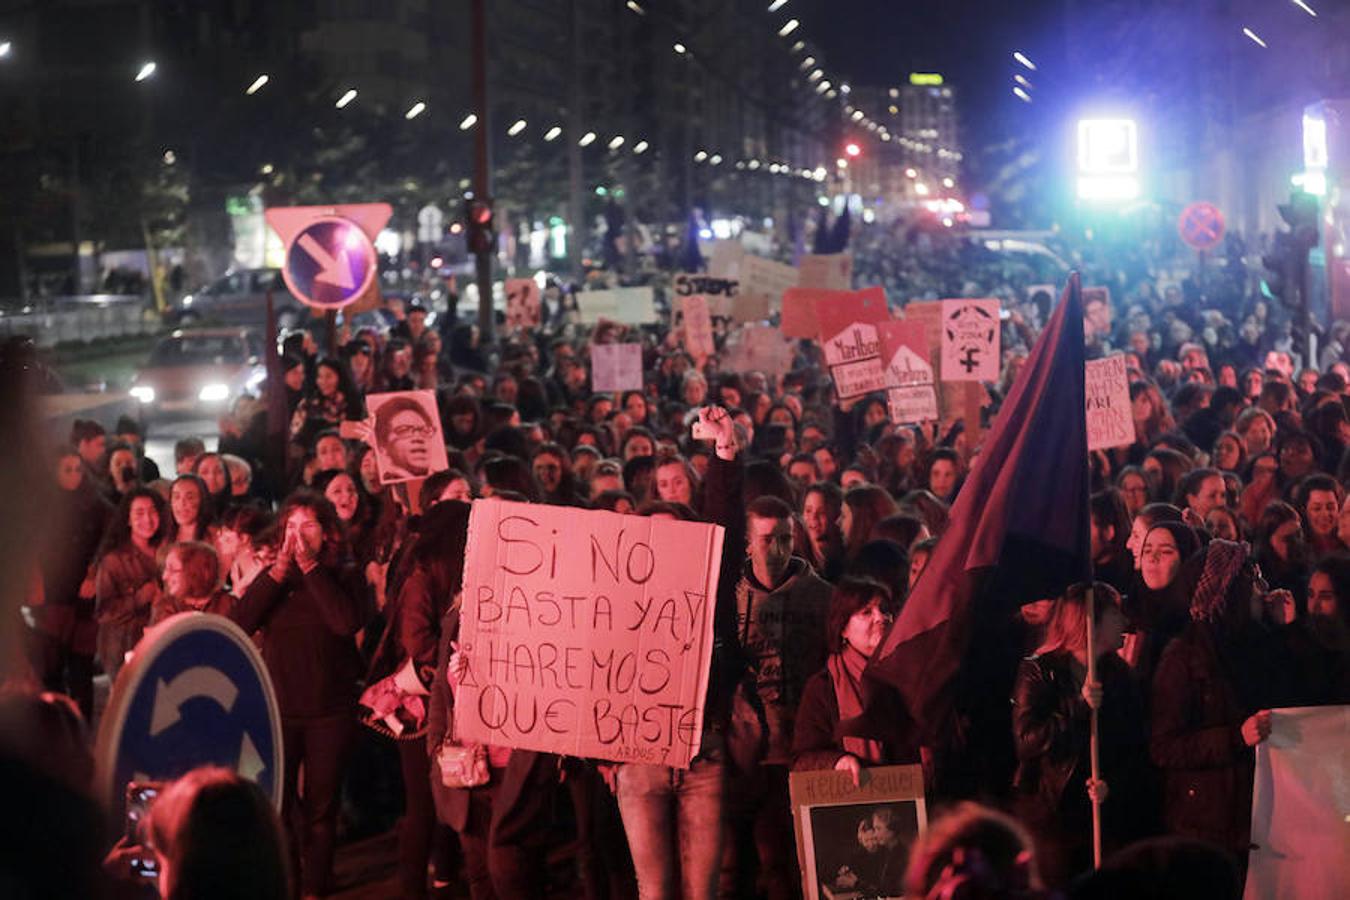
x: 55, y: 320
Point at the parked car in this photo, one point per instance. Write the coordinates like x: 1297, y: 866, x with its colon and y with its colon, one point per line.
x: 240, y: 298
x: 199, y: 371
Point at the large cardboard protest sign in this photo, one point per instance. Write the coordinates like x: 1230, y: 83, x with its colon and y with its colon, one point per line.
x: 616, y: 367
x: 588, y: 633
x: 971, y: 339
x: 724, y: 260
x: 406, y: 428
x: 830, y: 272
x: 766, y: 279
x: 631, y: 306
x: 698, y: 328
x: 848, y: 335
x: 854, y: 840
x: 799, y: 311
x: 758, y: 348
x: 910, y: 394
x: 524, y: 306
x: 956, y: 400
x: 1109, y: 419
x: 1300, y: 804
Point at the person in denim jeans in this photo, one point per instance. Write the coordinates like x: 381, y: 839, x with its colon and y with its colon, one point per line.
x: 673, y: 818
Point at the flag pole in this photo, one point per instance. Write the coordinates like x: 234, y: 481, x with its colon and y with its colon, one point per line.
x: 1094, y: 743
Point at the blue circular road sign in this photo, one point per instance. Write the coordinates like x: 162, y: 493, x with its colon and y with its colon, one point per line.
x: 330, y: 263
x: 195, y: 693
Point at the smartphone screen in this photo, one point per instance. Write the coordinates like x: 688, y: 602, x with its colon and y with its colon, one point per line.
x: 140, y: 795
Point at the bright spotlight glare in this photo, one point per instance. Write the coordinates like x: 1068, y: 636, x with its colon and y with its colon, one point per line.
x: 147, y: 69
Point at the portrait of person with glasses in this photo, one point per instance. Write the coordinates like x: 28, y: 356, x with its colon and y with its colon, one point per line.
x: 406, y: 444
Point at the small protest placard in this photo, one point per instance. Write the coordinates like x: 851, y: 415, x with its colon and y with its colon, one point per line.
x: 854, y: 840
x: 406, y: 428
x: 799, y: 311
x: 724, y: 259
x: 758, y: 348
x: 765, y: 278
x: 830, y: 272
x: 1097, y: 311
x: 1110, y: 422
x: 848, y: 335
x: 686, y: 284
x: 616, y: 367
x: 523, y: 303
x: 970, y: 340
x: 698, y: 328
x: 910, y: 394
x: 588, y: 633
x: 956, y: 400
x: 631, y: 306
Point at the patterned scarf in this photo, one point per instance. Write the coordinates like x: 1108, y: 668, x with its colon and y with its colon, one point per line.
x: 846, y: 672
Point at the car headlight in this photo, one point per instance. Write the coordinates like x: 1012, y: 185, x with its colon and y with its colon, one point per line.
x: 214, y: 393
x: 187, y: 300
x: 144, y: 393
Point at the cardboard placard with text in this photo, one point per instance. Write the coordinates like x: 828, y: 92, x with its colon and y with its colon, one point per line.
x: 630, y: 306
x: 588, y: 633
x: 1110, y: 422
x: 724, y: 260
x: 698, y: 328
x: 971, y: 340
x: 848, y: 335
x: 830, y: 272
x: 686, y: 284
x: 768, y: 279
x: 524, y: 305
x: 616, y: 367
x: 956, y: 399
x: 910, y: 379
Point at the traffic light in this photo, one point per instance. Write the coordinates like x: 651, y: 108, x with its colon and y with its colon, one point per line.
x: 1287, y: 260
x: 481, y: 238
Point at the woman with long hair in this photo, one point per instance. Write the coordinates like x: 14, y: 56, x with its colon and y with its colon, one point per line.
x: 193, y: 512
x: 126, y: 583
x: 1281, y: 549
x: 1052, y: 703
x: 332, y: 400
x: 1157, y: 607
x: 410, y: 642
x: 242, y: 547
x: 1211, y: 699
x: 215, y: 475
x: 1133, y: 486
x: 864, y: 506
x: 308, y: 607
x: 821, y: 506
x: 1152, y: 417
x: 1321, y: 639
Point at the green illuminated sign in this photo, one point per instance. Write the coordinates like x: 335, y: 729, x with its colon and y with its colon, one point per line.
x: 925, y: 79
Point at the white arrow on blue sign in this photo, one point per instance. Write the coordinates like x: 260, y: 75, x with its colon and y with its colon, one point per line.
x: 195, y: 693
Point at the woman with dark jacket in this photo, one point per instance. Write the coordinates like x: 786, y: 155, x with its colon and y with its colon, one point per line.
x: 501, y: 824
x: 411, y: 641
x: 1159, y: 606
x: 126, y: 583
x: 308, y: 607
x: 1051, y: 726
x: 1212, y: 695
x: 845, y: 722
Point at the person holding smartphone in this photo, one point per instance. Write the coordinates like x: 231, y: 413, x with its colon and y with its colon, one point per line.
x: 308, y: 606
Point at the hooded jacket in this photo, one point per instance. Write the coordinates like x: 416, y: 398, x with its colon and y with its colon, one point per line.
x: 781, y: 631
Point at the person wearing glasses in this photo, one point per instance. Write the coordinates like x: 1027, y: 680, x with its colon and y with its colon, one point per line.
x: 404, y: 433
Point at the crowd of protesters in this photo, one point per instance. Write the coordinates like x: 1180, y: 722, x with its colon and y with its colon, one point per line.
x: 1221, y: 541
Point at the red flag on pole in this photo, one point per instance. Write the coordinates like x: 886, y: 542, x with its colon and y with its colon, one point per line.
x: 1018, y: 533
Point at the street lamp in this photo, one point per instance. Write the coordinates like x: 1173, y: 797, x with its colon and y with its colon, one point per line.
x: 681, y: 48
x: 346, y: 98
x: 776, y: 5
x: 468, y: 122
x: 616, y: 142
x: 586, y: 139
x: 640, y: 147
x: 258, y: 84
x: 415, y: 110
x: 6, y: 47
x: 1022, y: 58
x: 147, y: 69
x: 516, y: 128
x: 788, y: 27
x: 552, y: 133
